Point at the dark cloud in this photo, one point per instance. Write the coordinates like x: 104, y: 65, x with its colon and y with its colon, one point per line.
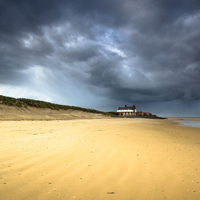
x: 106, y: 51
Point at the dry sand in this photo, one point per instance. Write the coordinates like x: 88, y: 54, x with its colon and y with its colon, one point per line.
x: 97, y: 159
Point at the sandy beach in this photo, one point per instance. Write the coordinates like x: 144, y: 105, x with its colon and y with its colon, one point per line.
x: 134, y: 159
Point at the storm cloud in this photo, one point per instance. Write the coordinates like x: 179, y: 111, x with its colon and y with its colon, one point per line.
x: 102, y: 54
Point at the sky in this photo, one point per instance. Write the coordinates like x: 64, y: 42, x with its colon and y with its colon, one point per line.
x: 103, y: 54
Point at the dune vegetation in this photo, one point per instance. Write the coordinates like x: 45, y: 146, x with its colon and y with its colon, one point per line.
x: 25, y: 103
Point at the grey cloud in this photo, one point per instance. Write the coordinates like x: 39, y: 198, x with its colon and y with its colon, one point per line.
x: 129, y: 51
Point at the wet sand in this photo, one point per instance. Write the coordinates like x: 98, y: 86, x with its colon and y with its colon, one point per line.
x: 117, y: 159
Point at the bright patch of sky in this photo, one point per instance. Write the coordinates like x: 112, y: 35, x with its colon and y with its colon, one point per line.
x: 114, y: 49
x: 23, y: 92
x: 36, y: 72
x: 192, y: 19
x: 30, y: 41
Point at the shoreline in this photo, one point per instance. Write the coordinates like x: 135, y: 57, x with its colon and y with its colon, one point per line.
x: 190, y: 123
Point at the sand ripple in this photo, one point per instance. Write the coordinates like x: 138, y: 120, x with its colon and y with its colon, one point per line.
x: 99, y: 159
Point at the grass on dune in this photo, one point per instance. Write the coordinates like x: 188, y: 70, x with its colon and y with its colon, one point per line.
x: 25, y: 103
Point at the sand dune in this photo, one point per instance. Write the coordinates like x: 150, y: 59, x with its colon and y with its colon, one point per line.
x: 99, y: 159
x: 31, y: 113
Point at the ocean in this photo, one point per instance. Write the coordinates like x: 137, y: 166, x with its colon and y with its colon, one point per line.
x: 189, y: 123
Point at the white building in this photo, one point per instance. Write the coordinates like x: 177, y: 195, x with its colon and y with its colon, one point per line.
x: 127, y: 110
